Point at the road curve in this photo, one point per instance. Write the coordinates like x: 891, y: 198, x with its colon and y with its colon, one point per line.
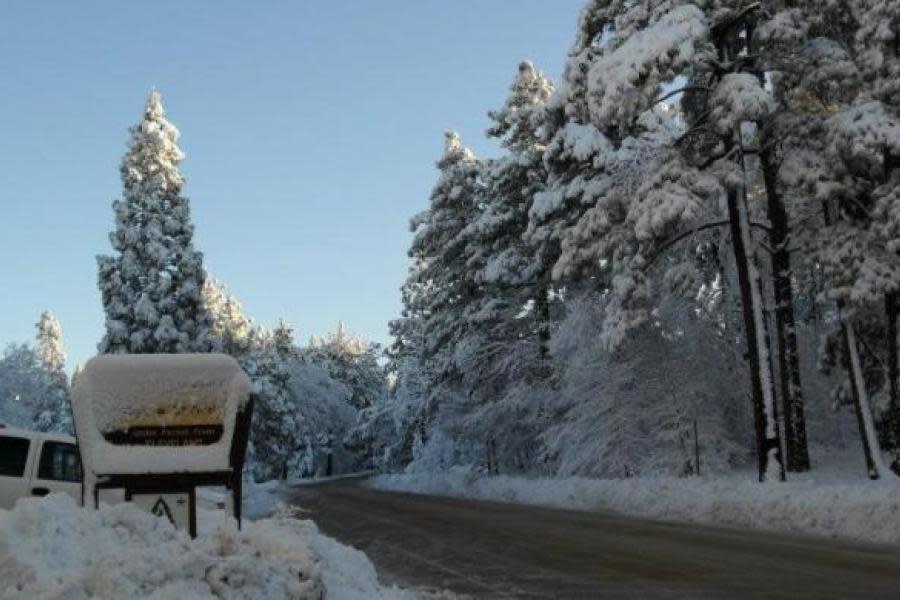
x: 494, y: 550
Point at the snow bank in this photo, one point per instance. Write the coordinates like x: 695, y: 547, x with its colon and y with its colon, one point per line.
x: 865, y: 511
x: 51, y: 548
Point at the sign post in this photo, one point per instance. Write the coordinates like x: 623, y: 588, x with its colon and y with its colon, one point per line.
x: 158, y: 427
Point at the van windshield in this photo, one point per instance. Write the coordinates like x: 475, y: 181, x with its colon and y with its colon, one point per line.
x: 59, y: 462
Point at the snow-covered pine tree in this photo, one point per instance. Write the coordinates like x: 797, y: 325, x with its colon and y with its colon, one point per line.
x: 151, y: 287
x: 227, y: 322
x: 501, y: 357
x: 858, y: 249
x: 23, y: 386
x: 56, y: 412
x: 504, y: 264
x: 274, y: 431
x: 627, y: 190
x: 50, y: 343
x: 570, y: 146
x: 878, y: 48
x: 388, y: 429
x: 736, y: 105
x: 645, y: 54
x: 439, y: 248
x: 352, y: 361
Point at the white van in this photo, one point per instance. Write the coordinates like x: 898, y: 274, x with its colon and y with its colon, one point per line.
x: 37, y: 464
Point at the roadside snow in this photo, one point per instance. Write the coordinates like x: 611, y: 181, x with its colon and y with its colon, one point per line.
x: 51, y: 548
x: 829, y: 505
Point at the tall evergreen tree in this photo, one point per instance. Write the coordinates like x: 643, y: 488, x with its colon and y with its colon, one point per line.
x: 227, y: 322
x: 439, y: 249
x: 500, y: 253
x: 152, y: 286
x: 275, y: 421
x: 352, y: 361
x: 56, y: 409
x: 50, y: 342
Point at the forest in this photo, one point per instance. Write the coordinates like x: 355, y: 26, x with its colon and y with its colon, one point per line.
x: 686, y: 255
x: 683, y: 260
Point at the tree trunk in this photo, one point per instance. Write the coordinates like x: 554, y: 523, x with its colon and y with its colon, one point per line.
x: 768, y: 445
x: 874, y: 461
x: 542, y: 316
x: 892, y: 311
x: 785, y: 331
x: 768, y: 439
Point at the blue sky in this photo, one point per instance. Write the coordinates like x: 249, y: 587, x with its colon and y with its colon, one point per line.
x: 310, y: 128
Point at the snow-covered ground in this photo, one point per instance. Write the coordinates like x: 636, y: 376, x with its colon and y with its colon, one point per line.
x: 835, y: 500
x: 51, y: 548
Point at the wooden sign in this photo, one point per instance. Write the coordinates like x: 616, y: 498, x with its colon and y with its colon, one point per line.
x: 158, y: 426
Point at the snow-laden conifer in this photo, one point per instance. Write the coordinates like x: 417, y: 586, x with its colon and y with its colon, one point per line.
x: 227, y: 322
x: 439, y: 248
x: 56, y: 413
x: 151, y: 286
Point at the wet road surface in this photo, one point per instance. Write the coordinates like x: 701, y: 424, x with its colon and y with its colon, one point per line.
x: 493, y: 550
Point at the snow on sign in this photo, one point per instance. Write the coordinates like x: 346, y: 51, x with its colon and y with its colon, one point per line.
x: 174, y: 507
x: 155, y: 425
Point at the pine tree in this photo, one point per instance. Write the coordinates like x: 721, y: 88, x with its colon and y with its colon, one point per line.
x: 50, y: 343
x: 151, y: 288
x: 439, y: 250
x: 350, y: 360
x: 647, y: 182
x: 23, y: 388
x: 227, y: 322
x: 878, y: 46
x: 56, y: 410
x: 499, y: 252
x: 275, y: 426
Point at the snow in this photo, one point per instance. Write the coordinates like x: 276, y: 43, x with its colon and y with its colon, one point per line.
x: 51, y: 548
x: 618, y: 79
x: 863, y: 131
x: 826, y: 502
x: 584, y: 142
x: 739, y: 98
x: 114, y: 390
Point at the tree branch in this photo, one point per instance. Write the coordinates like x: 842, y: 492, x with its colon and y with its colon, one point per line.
x: 687, y: 88
x: 686, y: 234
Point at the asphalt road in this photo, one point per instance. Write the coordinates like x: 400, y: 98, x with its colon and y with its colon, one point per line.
x: 493, y: 550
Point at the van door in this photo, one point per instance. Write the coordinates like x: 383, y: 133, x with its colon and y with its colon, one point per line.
x: 59, y: 470
x: 13, y: 469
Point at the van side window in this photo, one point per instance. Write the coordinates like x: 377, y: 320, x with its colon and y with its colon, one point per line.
x: 59, y: 462
x: 13, y: 456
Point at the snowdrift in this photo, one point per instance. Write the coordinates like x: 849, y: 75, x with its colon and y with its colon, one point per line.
x: 51, y: 548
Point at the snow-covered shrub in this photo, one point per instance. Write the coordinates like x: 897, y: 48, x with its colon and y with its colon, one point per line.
x: 632, y: 412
